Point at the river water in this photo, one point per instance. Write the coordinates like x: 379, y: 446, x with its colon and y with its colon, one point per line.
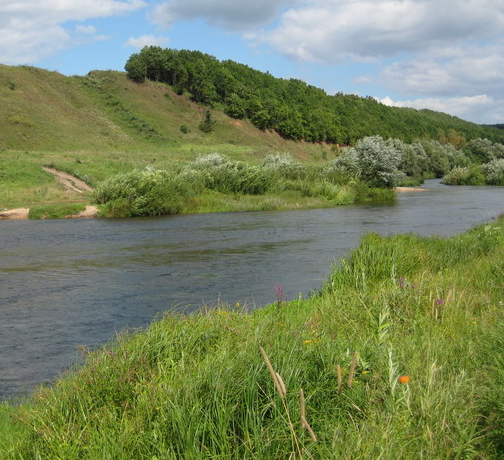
x: 65, y: 283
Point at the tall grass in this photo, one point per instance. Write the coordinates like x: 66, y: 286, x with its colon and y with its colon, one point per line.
x: 178, y: 187
x: 428, y: 310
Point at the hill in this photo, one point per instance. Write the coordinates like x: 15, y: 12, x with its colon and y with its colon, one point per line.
x: 291, y: 107
x: 46, y: 111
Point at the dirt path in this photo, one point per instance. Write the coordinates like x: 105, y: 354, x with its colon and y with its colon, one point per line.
x: 68, y: 181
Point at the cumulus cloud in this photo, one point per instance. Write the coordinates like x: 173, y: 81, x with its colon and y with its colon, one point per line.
x: 233, y: 15
x: 330, y: 31
x: 31, y: 30
x: 146, y: 40
x: 456, y: 70
x: 480, y: 108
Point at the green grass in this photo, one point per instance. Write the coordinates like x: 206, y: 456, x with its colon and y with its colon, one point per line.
x: 198, y: 387
x: 55, y: 211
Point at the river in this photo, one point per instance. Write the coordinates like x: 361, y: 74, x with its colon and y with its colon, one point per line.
x: 65, y: 283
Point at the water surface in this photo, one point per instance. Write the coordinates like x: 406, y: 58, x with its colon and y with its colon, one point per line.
x: 66, y: 283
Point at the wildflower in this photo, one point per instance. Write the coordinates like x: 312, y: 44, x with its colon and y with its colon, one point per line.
x: 307, y: 342
x: 404, y: 379
x: 279, y: 293
x: 237, y: 304
x: 365, y: 372
x: 401, y: 282
x: 440, y: 302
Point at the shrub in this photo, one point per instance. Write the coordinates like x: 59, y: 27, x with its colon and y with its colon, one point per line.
x: 483, y: 150
x: 217, y: 172
x: 378, y: 162
x: 494, y: 172
x: 145, y: 193
x: 284, y: 166
x: 346, y: 165
x: 464, y: 176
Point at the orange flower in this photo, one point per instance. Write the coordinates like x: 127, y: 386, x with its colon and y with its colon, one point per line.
x: 404, y: 379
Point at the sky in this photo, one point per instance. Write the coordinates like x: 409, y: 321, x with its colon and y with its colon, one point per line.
x: 445, y: 55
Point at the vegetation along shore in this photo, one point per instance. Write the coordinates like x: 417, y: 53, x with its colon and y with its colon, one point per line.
x: 189, y: 133
x: 398, y: 356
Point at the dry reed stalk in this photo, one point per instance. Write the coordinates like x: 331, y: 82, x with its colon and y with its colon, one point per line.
x: 282, y: 391
x: 304, y: 422
x: 340, y: 378
x: 351, y: 374
x: 277, y: 380
x: 281, y: 383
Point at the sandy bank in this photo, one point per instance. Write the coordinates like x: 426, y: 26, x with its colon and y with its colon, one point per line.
x: 410, y: 189
x: 22, y: 213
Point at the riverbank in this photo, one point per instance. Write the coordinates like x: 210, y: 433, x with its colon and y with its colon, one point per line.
x: 400, y: 354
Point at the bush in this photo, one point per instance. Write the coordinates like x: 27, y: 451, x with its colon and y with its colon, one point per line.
x: 284, y: 166
x: 145, y: 193
x: 464, y: 176
x: 483, y: 150
x: 378, y: 162
x: 494, y: 172
x: 217, y: 172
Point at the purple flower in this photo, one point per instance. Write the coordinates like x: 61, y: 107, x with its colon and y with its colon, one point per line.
x: 279, y: 292
x: 401, y: 282
x: 440, y: 301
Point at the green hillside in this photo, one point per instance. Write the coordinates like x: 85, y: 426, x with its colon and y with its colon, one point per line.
x: 46, y: 111
x: 106, y: 123
x: 291, y: 107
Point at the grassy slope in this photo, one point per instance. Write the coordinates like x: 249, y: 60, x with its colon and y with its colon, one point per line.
x: 197, y: 387
x: 100, y: 125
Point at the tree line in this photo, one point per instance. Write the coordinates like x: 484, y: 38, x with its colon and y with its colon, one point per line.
x: 293, y: 108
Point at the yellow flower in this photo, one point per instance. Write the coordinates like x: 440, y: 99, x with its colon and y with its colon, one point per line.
x: 237, y: 304
x: 307, y: 342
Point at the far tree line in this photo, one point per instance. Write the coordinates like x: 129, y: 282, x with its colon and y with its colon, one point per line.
x: 293, y: 108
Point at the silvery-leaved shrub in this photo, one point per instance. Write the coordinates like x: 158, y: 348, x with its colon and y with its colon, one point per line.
x: 284, y: 166
x: 457, y: 176
x: 210, y: 160
x: 346, y: 164
x: 483, y: 150
x: 414, y: 159
x: 378, y: 162
x: 219, y: 173
x: 494, y: 172
x: 146, y: 192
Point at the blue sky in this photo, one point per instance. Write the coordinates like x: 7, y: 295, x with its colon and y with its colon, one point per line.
x: 445, y: 55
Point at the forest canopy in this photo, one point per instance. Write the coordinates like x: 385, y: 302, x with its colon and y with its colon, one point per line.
x: 293, y: 108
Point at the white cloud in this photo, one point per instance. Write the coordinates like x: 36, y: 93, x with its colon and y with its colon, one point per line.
x: 455, y: 70
x: 146, y: 40
x: 331, y: 31
x: 88, y: 30
x: 479, y: 109
x: 231, y: 14
x: 32, y: 30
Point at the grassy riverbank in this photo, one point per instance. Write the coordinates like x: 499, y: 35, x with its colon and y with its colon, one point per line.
x: 428, y: 310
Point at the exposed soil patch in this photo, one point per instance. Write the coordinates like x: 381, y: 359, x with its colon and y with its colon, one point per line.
x: 68, y: 181
x: 410, y: 189
x: 90, y: 211
x: 18, y: 213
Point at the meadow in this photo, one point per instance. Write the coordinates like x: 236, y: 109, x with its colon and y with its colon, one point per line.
x: 398, y: 356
